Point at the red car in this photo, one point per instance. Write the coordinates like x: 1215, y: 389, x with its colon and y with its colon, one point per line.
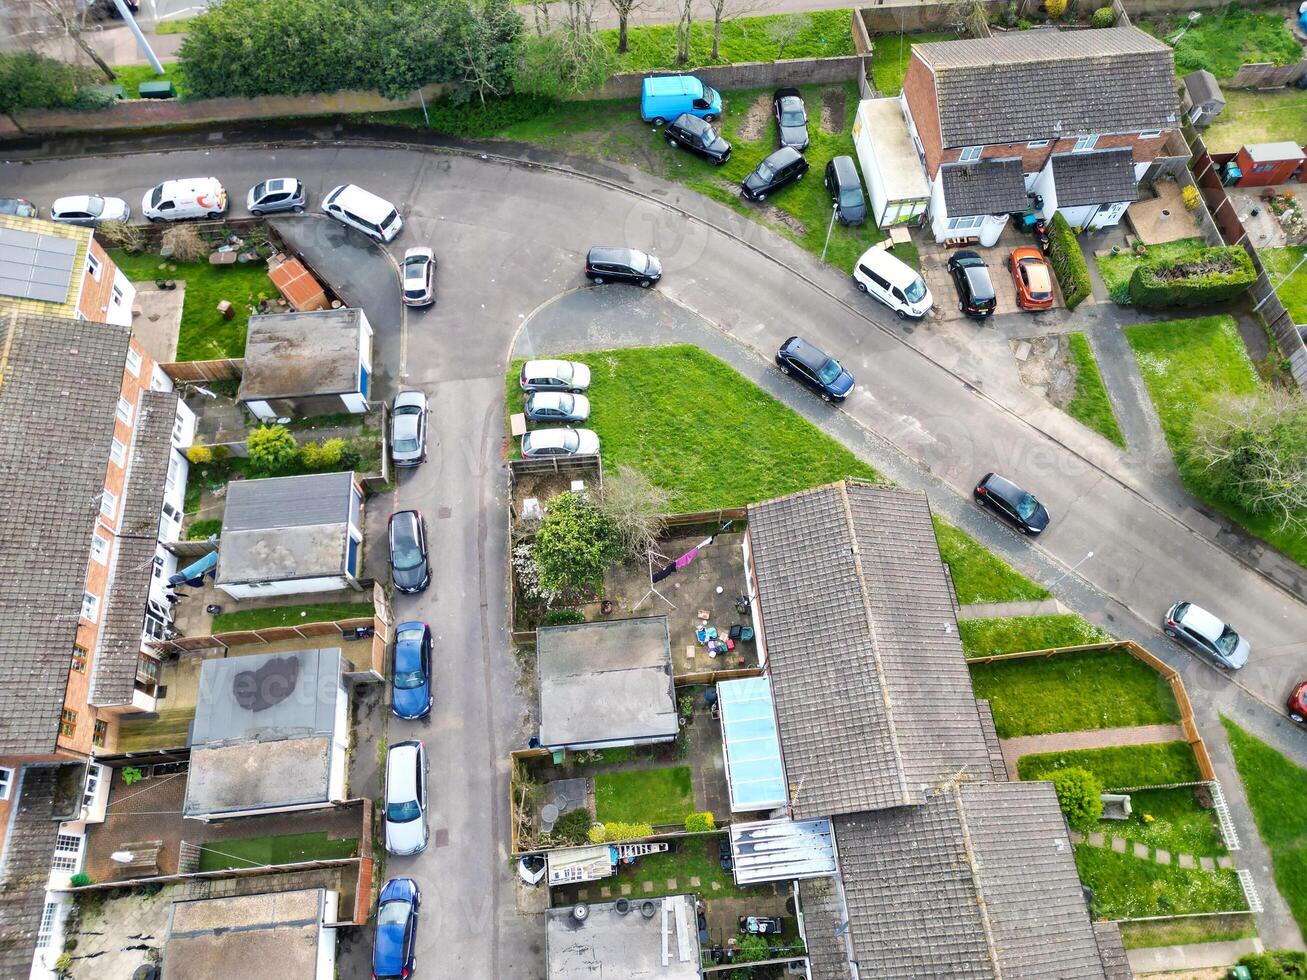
x: 1298, y: 704
x: 1033, y: 278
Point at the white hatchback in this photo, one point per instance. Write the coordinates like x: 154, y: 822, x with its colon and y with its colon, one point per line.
x: 406, y: 798
x: 89, y: 210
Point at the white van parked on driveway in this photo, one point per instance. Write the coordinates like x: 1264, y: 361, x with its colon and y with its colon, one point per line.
x: 893, y: 282
x: 375, y: 217
x: 190, y: 197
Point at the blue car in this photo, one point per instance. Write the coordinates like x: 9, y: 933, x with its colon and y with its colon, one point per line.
x: 410, y: 681
x: 814, y: 368
x: 395, y: 948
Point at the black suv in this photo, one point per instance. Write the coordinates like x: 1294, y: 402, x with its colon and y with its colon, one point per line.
x: 975, y: 288
x: 694, y: 134
x: 785, y: 166
x: 815, y: 368
x: 846, y: 191
x: 609, y: 264
x: 1011, y: 503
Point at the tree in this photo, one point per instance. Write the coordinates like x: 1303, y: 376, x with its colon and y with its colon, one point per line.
x: 1079, y: 795
x: 184, y: 244
x: 785, y: 30
x: 562, y: 62
x: 624, y: 9
x: 271, y: 448
x: 574, y: 547
x: 62, y: 18
x: 684, y: 24
x: 636, y: 507
x: 489, y: 49
x: 724, y: 10
x: 1255, y: 448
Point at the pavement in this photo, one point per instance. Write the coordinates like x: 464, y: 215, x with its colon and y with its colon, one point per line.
x: 1195, y: 956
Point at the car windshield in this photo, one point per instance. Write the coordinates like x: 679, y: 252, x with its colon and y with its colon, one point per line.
x: 259, y: 190
x: 571, y: 441
x: 916, y: 290
x: 638, y: 260
x: 710, y: 94
x: 95, y: 205
x: 1227, y: 641
x: 392, y: 914
x: 851, y: 197
x: 407, y: 680
x: 764, y: 171
x: 409, y: 636
x: 1027, y: 506
x: 792, y: 115
x: 156, y: 197
x: 829, y: 371
x: 390, y: 218
x: 403, y: 812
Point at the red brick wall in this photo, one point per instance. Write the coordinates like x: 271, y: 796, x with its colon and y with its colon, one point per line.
x: 1034, y: 158
x: 919, y: 90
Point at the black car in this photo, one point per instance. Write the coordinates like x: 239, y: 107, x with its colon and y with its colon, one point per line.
x: 409, y: 568
x: 724, y: 857
x: 785, y: 166
x: 1012, y: 503
x: 697, y: 135
x: 845, y: 190
x: 610, y: 264
x: 815, y: 368
x: 975, y: 288
x: 791, y: 118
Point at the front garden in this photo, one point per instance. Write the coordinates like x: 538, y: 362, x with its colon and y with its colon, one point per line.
x: 272, y: 616
x: 1016, y: 634
x: 1222, y: 40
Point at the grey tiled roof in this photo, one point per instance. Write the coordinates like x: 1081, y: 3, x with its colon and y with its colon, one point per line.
x: 823, y: 917
x: 1096, y: 177
x: 1111, y: 948
x: 113, y: 676
x: 148, y: 472
x: 870, y: 684
x: 58, y: 391
x: 1015, y: 87
x: 983, y: 187
x: 24, y: 868
x: 992, y: 744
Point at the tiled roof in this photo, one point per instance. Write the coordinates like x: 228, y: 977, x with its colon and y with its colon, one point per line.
x: 1019, y: 86
x: 1203, y: 88
x: 39, y: 226
x: 871, y: 687
x: 984, y: 187
x: 25, y: 867
x: 148, y: 474
x: 1097, y: 177
x: 1111, y: 949
x: 113, y: 675
x: 823, y: 922
x: 59, y: 388
x: 992, y: 744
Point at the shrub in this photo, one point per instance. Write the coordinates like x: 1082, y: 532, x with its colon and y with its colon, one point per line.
x: 201, y: 530
x: 33, y: 81
x: 199, y: 455
x: 271, y: 448
x: 1068, y: 262
x: 563, y: 617
x: 574, y: 547
x: 80, y: 880
x: 636, y: 507
x: 489, y: 118
x: 1204, y: 278
x: 1009, y: 16
x: 615, y: 830
x: 326, y: 456
x: 700, y: 822
x: 751, y: 949
x: 1191, y: 197
x: 122, y: 235
x: 1276, y: 964
x: 1103, y: 17
x: 1055, y: 8
x: 1078, y: 794
x: 573, y: 827
x: 184, y: 244
x: 132, y: 775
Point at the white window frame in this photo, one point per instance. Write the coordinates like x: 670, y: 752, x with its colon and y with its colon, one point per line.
x: 68, y: 853
x: 1085, y: 143
x: 93, y: 266
x: 968, y: 223
x: 1038, y: 144
x: 1150, y: 134
x: 970, y: 154
x: 100, y: 548
x: 90, y: 607
x: 94, y: 772
x: 109, y: 504
x: 118, y: 453
x: 124, y: 411
x: 6, y: 782
x: 174, y: 471
x: 46, y: 933
x: 133, y: 358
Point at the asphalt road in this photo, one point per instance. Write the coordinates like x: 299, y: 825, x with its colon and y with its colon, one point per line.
x: 509, y: 240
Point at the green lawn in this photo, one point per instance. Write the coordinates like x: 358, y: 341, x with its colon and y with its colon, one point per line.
x: 890, y: 54
x: 1116, y: 270
x: 249, y: 852
x: 822, y: 34
x: 1126, y: 887
x: 980, y: 575
x: 204, y: 334
x: 1178, y: 823
x: 1073, y: 692
x: 1279, y: 263
x: 656, y: 796
x: 323, y: 612
x: 1017, y: 634
x: 1119, y: 766
x: 1183, y: 363
x: 1258, y: 117
x: 1276, y: 790
x: 181, y: 25
x: 130, y: 76
x: 1181, y: 932
x: 1090, y: 405
x: 1222, y: 40
x: 168, y: 730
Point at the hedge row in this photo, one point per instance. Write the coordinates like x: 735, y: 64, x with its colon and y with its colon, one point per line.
x: 1203, y: 278
x: 33, y: 81
x: 1068, y: 262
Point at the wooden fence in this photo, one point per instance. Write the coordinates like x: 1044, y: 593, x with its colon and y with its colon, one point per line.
x: 1263, y: 74
x: 223, y: 369
x: 557, y: 464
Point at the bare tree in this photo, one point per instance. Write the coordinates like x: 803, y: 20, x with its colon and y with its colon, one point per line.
x: 539, y: 8
x: 784, y: 31
x: 724, y: 10
x: 636, y: 507
x: 684, y: 24
x: 64, y: 18
x: 624, y: 9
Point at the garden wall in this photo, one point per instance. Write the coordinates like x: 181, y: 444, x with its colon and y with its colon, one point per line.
x: 910, y: 18
x: 746, y: 75
x: 1263, y: 74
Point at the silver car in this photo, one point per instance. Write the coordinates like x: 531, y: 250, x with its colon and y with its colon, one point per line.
x: 90, y: 210
x: 559, y: 442
x: 408, y: 428
x: 419, y: 277
x: 553, y: 375
x: 276, y: 194
x: 406, y: 798
x: 557, y: 406
x: 1209, y: 635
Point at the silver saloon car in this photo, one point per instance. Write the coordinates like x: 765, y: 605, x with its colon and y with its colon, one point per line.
x: 557, y: 406
x: 419, y: 277
x: 1209, y: 635
x: 406, y: 798
x: 559, y: 442
x: 90, y: 210
x: 408, y: 428
x: 276, y: 195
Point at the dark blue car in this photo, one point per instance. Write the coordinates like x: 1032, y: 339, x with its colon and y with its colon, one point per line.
x: 393, y: 953
x: 410, y: 681
x: 814, y: 368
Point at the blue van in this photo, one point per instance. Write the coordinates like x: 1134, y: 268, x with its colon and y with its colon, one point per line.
x: 664, y: 97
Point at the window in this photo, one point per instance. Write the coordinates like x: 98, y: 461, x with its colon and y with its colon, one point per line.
x: 68, y: 723
x: 94, y: 772
x: 67, y: 853
x: 90, y: 607
x: 100, y: 548
x: 133, y: 358
x: 1150, y: 134
x: 1036, y: 144
x: 1085, y: 143
x: 46, y: 932
x: 93, y: 266
x: 6, y: 782
x: 124, y: 410
x: 109, y: 504
x: 79, y: 659
x: 964, y: 224
x: 173, y: 467
x: 1264, y: 168
x: 117, y: 453
x: 118, y: 300
x: 970, y: 153
x: 178, y: 427
x: 98, y: 736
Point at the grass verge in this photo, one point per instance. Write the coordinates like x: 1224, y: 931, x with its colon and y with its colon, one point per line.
x: 1222, y: 40
x: 1182, y: 932
x: 890, y: 54
x: 1116, y: 269
x: 1258, y: 117
x: 1119, y: 766
x: 1292, y: 291
x: 131, y: 76
x: 1016, y: 634
x: 323, y: 612
x: 248, y: 852
x: 1127, y: 887
x: 980, y: 575
x: 179, y: 26
x: 1090, y: 404
x: 655, y: 796
x: 819, y: 34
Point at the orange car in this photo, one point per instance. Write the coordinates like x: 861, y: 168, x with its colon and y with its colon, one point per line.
x: 1033, y: 278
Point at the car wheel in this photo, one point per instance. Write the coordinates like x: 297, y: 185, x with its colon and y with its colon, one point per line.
x: 1023, y: 529
x: 825, y: 397
x: 659, y: 120
x: 710, y: 118
x: 761, y: 197
x: 1170, y: 632
x: 862, y: 286
x: 980, y: 502
x: 156, y: 220
x: 257, y: 212
x: 961, y: 308
x: 645, y: 283
x: 784, y: 369
x: 598, y: 280
x: 670, y: 141
x: 1297, y: 718
x: 901, y: 314
x: 298, y: 209
x: 215, y: 214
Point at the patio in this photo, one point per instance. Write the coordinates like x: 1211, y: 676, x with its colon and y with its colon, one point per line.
x: 160, y: 319
x: 1259, y: 219
x: 934, y: 269
x: 1162, y: 217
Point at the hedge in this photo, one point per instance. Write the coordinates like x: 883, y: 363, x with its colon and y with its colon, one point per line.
x: 33, y: 81
x: 1185, y: 281
x: 1068, y: 262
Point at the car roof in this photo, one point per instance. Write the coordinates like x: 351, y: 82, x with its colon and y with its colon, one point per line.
x: 190, y: 185
x: 410, y: 396
x: 898, y: 272
x: 551, y: 399
x: 1201, y: 621
x: 786, y: 154
x: 402, y: 771
x: 688, y: 120
x: 673, y: 85
x: 806, y: 353
x: 76, y: 202
x: 844, y: 169
x: 365, y: 204
x: 405, y: 521
x: 982, y: 287
x: 611, y: 253
x: 1037, y: 275
x: 1004, y: 488
x: 548, y: 369
x: 547, y: 437
x: 279, y: 183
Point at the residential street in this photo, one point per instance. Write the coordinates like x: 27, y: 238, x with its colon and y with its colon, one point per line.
x: 510, y: 239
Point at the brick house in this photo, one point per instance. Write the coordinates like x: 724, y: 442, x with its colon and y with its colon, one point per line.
x: 1065, y: 121
x: 89, y: 285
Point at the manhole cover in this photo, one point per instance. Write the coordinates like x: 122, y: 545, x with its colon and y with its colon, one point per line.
x: 443, y: 513
x: 548, y: 817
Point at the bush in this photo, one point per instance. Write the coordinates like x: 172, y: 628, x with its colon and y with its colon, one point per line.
x: 202, y: 530
x: 573, y: 827
x: 1055, y: 8
x: 1276, y: 964
x: 80, y: 880
x: 1078, y: 794
x: 490, y: 118
x: 1204, y: 278
x: 326, y: 456
x: 120, y: 234
x: 1068, y: 262
x: 271, y: 448
x: 563, y: 617
x: 1102, y: 17
x: 33, y: 81
x: 700, y: 822
x: 574, y: 547
x: 184, y: 244
x: 1009, y: 16
x: 199, y: 455
x: 132, y: 775
x: 615, y: 831
x: 1191, y: 197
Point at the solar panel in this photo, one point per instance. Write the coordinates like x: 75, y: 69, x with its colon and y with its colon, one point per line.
x: 36, y: 267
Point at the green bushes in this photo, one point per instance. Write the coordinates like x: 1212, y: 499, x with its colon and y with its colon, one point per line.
x: 1068, y: 262
x: 477, y: 119
x: 614, y: 831
x: 33, y: 81
x: 1204, y: 278
x: 271, y: 448
x: 200, y: 530
x: 1103, y: 17
x: 1079, y: 796
x: 563, y: 617
x: 1276, y: 964
x: 700, y: 822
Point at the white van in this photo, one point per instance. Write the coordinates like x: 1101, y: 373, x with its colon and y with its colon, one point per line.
x: 190, y: 197
x: 893, y: 282
x: 352, y: 205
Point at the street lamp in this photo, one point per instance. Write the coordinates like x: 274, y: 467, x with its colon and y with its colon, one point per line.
x: 829, y: 228
x: 1070, y: 570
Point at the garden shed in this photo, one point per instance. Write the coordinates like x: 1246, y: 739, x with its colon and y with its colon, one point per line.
x: 303, y: 364
x: 1202, y: 97
x: 896, y: 187
x: 1268, y: 164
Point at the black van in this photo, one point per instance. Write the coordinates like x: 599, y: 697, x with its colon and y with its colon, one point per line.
x: 846, y: 191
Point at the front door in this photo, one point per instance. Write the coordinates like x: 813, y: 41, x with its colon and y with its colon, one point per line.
x: 1109, y: 215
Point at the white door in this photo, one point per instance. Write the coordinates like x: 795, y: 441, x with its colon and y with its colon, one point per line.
x: 1109, y: 215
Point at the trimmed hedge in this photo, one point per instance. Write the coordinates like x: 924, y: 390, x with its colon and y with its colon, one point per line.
x: 1185, y: 282
x: 33, y: 81
x: 1068, y: 262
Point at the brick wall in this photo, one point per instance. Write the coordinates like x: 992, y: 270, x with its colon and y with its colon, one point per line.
x: 919, y: 90
x: 746, y: 75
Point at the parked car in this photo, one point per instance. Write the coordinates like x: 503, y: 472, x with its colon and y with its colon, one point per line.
x: 553, y: 375
x: 410, y: 681
x: 724, y: 856
x: 1214, y: 638
x: 276, y: 194
x: 607, y: 263
x: 353, y: 206
x: 1011, y: 503
x: 394, y: 951
x: 189, y: 197
x: 406, y: 798
x: 1033, y: 278
x: 893, y: 282
x: 697, y: 135
x: 845, y: 190
x: 559, y: 442
x: 762, y: 925
x: 664, y: 97
x: 976, y: 297
x: 408, y: 428
x: 815, y: 368
x: 19, y: 207
x: 557, y: 406
x: 90, y: 210
x: 782, y: 168
x: 419, y: 276
x: 410, y: 570
x: 791, y: 118
x: 1298, y: 703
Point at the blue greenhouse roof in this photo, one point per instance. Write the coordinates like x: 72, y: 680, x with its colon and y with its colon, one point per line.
x: 754, y: 772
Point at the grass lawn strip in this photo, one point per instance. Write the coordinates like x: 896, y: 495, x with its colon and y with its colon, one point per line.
x: 1221, y: 41
x: 1017, y: 634
x: 1090, y: 405
x: 1126, y: 887
x: 656, y: 796
x: 1182, y: 932
x: 1119, y: 766
x: 1184, y: 362
x: 1276, y: 789
x: 1072, y: 692
x: 1178, y: 823
x: 1279, y: 263
x: 890, y: 54
x: 979, y: 575
x: 323, y: 612
x: 823, y: 34
x: 248, y: 852
x: 167, y: 730
x: 1258, y: 117
x: 131, y: 76
x: 1117, y: 269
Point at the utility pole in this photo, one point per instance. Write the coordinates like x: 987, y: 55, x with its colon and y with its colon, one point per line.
x: 144, y: 45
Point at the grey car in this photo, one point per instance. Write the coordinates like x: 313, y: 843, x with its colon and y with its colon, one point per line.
x: 791, y: 118
x: 1211, y: 636
x: 559, y: 442
x: 408, y: 428
x: 557, y: 406
x: 276, y: 194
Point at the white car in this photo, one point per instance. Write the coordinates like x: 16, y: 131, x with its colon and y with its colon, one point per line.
x: 89, y: 209
x: 408, y: 428
x: 559, y: 442
x: 419, y: 277
x: 551, y: 375
x: 374, y: 216
x: 406, y: 798
x: 1209, y: 635
x: 190, y: 197
x: 276, y: 194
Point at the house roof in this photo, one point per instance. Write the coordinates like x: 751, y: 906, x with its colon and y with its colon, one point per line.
x: 268, y: 935
x: 69, y: 241
x: 1096, y: 177
x: 1203, y: 88
x: 58, y: 391
x: 984, y: 187
x: 868, y: 676
x: 631, y: 945
x: 825, y: 922
x: 1019, y: 86
x: 152, y: 451
x: 113, y: 674
x: 285, y: 528
x: 291, y: 355
x: 1111, y: 948
x: 896, y: 157
x: 25, y: 867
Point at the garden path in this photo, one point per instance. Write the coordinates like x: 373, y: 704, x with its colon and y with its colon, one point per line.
x: 1156, y: 855
x: 1097, y: 738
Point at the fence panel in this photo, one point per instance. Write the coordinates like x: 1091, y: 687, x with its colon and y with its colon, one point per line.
x: 223, y: 369
x: 1263, y: 74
